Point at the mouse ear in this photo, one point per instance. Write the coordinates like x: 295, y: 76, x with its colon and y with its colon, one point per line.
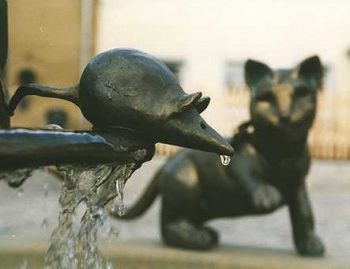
x: 256, y: 72
x: 311, y: 70
x: 186, y: 102
x: 202, y: 104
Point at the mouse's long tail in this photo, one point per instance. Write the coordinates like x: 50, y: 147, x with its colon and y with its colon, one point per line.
x: 69, y: 94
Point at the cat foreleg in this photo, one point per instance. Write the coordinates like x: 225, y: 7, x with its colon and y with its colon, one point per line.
x: 306, y: 241
x: 246, y: 169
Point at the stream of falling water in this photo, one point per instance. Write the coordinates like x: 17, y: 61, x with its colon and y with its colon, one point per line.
x: 94, y: 186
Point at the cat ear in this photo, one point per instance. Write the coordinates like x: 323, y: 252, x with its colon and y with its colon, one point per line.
x: 311, y: 70
x: 256, y: 72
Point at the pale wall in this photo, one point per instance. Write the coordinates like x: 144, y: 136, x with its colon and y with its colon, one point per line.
x: 45, y: 36
x: 206, y: 33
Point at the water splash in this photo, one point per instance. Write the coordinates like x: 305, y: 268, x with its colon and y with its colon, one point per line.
x: 60, y: 254
x: 112, y: 233
x: 46, y: 190
x: 120, y: 197
x: 118, y: 203
x: 121, y: 176
x: 225, y: 160
x: 45, y: 221
x: 95, y: 186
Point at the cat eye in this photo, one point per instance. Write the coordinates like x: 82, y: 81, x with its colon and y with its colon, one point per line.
x: 301, y: 91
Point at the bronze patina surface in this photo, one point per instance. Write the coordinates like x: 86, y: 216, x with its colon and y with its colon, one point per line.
x: 33, y: 148
x: 132, y: 89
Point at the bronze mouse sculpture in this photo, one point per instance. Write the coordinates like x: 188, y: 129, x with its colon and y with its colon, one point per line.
x: 267, y: 171
x: 127, y: 88
x: 23, y: 150
x: 132, y: 99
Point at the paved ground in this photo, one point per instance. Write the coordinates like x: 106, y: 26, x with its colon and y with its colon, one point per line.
x: 28, y: 216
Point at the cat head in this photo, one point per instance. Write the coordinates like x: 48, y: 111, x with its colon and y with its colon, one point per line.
x: 284, y: 102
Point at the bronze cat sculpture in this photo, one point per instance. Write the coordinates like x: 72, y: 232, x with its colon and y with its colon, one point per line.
x: 267, y: 171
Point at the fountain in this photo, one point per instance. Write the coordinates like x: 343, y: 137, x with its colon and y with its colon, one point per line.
x: 133, y: 101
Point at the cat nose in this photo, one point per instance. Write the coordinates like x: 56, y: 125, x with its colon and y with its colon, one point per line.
x: 285, y: 118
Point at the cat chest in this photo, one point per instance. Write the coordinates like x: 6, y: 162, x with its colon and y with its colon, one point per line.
x: 286, y: 171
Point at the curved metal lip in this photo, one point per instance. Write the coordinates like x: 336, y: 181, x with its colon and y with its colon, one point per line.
x: 21, y: 148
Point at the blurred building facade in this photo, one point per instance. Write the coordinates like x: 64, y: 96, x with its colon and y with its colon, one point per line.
x: 212, y: 38
x: 49, y: 43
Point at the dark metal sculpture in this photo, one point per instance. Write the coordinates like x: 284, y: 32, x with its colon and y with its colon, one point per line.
x: 133, y: 101
x: 267, y: 171
x: 33, y: 148
x: 131, y: 89
x: 25, y: 148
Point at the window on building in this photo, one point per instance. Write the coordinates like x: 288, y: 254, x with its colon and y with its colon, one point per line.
x: 234, y: 76
x: 25, y: 76
x: 57, y: 116
x: 175, y: 67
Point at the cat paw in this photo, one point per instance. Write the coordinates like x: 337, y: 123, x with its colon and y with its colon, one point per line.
x: 183, y: 234
x: 266, y: 198
x: 311, y: 246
